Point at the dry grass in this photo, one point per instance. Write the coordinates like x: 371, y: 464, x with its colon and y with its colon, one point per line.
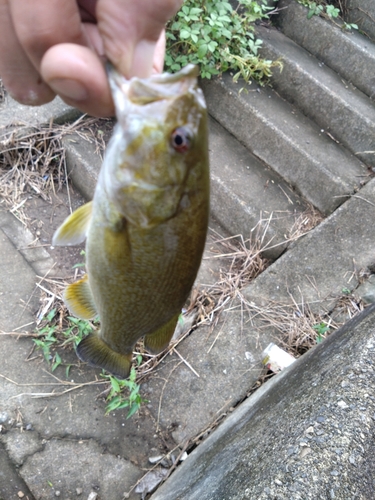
x: 305, y: 222
x: 32, y: 160
x: 242, y: 262
x: 297, y: 327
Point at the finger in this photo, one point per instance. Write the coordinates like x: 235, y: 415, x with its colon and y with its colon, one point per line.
x: 43, y: 23
x: 159, y: 54
x: 130, y: 30
x: 78, y: 76
x: 19, y: 76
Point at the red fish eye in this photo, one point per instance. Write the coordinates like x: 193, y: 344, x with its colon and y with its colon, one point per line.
x: 180, y: 139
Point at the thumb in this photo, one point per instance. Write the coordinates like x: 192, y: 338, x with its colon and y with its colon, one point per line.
x: 130, y: 30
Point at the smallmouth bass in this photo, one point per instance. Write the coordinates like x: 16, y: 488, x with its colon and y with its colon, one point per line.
x: 145, y: 228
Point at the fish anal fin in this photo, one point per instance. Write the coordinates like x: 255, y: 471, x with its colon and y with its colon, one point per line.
x: 74, y: 229
x: 157, y: 341
x: 94, y: 351
x: 79, y: 300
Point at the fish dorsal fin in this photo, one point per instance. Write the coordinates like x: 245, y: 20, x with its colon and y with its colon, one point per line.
x: 74, y: 229
x: 157, y: 341
x: 94, y: 351
x: 79, y: 300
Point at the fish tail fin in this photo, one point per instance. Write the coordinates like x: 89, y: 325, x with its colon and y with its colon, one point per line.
x: 79, y: 300
x: 94, y: 351
x: 157, y: 341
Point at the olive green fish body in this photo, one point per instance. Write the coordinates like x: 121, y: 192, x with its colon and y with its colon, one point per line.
x: 147, y: 223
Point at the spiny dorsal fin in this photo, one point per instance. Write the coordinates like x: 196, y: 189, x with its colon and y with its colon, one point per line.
x: 79, y: 300
x: 74, y: 229
x: 157, y: 341
x: 96, y: 352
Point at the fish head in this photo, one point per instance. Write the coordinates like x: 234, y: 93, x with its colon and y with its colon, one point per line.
x: 158, y: 147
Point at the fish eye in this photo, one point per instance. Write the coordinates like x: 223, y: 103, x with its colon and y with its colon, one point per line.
x: 181, y: 140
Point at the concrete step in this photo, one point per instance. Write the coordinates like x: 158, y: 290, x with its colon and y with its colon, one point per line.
x: 350, y: 54
x: 283, y: 138
x: 361, y: 12
x: 247, y: 197
x: 336, y: 106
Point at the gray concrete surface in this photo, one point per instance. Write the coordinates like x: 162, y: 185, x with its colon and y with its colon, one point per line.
x: 283, y: 138
x: 237, y: 179
x: 346, y: 52
x: 15, y: 114
x: 336, y: 106
x: 361, y: 12
x: 306, y: 434
x: 330, y: 258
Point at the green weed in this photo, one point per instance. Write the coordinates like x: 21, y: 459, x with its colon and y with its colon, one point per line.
x: 51, y: 336
x: 321, y: 329
x: 218, y: 38
x: 116, y: 398
x: 325, y: 9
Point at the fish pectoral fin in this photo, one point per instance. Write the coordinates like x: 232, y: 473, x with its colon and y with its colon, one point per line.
x: 157, y: 341
x: 94, y: 351
x: 73, y: 230
x: 79, y: 300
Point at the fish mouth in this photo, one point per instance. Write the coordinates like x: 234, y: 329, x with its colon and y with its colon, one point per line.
x: 157, y: 87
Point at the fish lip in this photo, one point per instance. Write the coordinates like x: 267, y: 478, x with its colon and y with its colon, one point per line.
x: 143, y: 91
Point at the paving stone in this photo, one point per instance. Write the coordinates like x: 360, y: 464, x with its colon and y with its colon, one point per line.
x: 11, y: 484
x: 53, y: 469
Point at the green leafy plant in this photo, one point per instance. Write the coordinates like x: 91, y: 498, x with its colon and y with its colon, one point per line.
x: 116, y: 398
x: 325, y: 9
x: 321, y: 329
x: 52, y: 335
x: 218, y: 38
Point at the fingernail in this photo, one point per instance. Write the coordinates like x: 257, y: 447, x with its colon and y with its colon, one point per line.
x: 71, y: 89
x: 143, y: 57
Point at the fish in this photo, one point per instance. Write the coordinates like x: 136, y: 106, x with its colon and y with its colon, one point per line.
x: 146, y: 226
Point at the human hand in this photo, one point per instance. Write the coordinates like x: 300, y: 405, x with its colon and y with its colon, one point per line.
x: 50, y: 47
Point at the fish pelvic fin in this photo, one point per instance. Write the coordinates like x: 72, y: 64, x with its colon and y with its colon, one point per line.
x: 73, y: 230
x: 94, y: 351
x: 157, y: 341
x: 79, y: 300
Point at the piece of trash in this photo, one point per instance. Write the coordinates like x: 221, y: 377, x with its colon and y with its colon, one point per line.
x: 276, y: 359
x: 183, y: 456
x: 93, y: 496
x: 153, y: 460
x: 150, y: 481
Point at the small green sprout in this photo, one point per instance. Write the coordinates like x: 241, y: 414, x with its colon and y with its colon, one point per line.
x: 321, y: 330
x: 117, y: 400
